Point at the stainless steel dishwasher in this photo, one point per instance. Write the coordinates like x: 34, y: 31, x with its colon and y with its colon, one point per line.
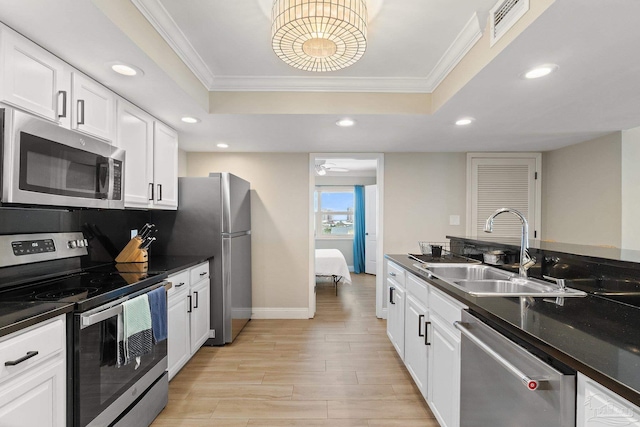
x: 504, y: 385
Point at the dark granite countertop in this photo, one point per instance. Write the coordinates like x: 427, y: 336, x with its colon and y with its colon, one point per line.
x: 173, y: 264
x: 19, y: 315
x: 593, y: 335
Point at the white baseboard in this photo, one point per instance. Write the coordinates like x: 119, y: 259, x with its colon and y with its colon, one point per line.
x: 280, y: 313
x: 351, y: 269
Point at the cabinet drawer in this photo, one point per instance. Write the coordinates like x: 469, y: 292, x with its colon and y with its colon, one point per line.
x: 395, y: 272
x: 418, y: 288
x: 446, y: 307
x: 180, y: 282
x: 199, y: 272
x: 47, y: 340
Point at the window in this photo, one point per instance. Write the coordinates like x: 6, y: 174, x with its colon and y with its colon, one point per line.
x: 334, y: 212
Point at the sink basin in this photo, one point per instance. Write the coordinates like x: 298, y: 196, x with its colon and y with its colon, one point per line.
x: 514, y: 288
x: 485, y: 281
x: 469, y: 272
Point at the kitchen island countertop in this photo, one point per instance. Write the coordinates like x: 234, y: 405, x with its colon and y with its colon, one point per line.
x: 595, y: 336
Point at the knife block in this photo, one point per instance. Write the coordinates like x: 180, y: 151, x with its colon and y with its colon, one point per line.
x: 132, y: 252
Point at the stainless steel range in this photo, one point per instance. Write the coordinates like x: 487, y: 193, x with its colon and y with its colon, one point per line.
x: 48, y: 267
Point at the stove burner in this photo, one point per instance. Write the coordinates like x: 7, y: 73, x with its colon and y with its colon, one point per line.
x: 106, y: 280
x: 64, y: 293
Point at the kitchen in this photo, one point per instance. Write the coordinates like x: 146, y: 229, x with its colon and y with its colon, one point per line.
x: 575, y: 178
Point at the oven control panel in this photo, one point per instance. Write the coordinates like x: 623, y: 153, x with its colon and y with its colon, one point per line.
x: 26, y: 247
x: 19, y: 249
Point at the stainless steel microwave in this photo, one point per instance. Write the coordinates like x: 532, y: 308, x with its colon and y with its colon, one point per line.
x: 45, y: 164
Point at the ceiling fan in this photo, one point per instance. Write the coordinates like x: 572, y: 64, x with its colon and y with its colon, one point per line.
x: 322, y: 167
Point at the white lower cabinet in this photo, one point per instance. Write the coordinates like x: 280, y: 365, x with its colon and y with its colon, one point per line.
x: 444, y: 367
x: 420, y: 321
x: 188, y: 313
x: 597, y: 406
x: 416, y: 342
x: 33, y: 385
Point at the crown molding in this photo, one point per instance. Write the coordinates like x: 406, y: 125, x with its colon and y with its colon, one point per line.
x: 466, y: 39
x: 320, y: 84
x: 164, y: 24
x: 157, y: 15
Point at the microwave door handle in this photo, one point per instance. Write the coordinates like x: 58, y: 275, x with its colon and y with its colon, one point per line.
x: 104, y: 177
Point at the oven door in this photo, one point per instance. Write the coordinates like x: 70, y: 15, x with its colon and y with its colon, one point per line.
x: 102, y: 390
x: 46, y: 164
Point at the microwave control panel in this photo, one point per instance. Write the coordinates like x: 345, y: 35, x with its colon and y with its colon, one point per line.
x: 117, y: 180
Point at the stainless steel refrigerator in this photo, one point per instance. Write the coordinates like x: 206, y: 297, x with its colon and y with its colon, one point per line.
x: 214, y: 219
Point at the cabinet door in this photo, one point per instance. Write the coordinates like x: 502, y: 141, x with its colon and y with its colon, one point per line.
x: 178, y: 331
x: 93, y: 108
x: 444, y: 373
x: 415, y: 342
x: 135, y: 136
x: 165, y: 167
x: 597, y: 406
x: 395, y: 316
x: 33, y: 79
x: 199, y: 314
x: 36, y: 398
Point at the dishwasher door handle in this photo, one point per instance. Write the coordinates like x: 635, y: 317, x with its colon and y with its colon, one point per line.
x: 530, y: 383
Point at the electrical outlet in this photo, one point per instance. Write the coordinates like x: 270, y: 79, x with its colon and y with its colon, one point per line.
x: 134, y: 232
x: 454, y: 219
x: 212, y: 333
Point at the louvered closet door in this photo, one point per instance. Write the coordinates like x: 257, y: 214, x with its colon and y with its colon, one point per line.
x: 503, y: 183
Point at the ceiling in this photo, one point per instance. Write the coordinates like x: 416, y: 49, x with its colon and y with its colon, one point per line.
x: 595, y: 90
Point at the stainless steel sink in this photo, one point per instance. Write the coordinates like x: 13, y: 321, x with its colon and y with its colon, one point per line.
x: 485, y: 281
x: 470, y: 272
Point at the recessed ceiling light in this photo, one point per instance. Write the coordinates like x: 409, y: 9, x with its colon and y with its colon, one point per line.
x: 188, y: 119
x: 221, y: 145
x: 125, y: 69
x: 345, y: 122
x: 464, y: 122
x: 540, y: 71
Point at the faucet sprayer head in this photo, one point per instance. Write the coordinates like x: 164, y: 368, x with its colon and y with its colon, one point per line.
x: 488, y: 226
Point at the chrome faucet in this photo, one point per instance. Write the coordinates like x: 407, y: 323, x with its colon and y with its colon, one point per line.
x: 526, y: 261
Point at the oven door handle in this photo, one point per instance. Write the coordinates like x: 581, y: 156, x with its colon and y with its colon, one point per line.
x: 92, y: 319
x: 114, y: 308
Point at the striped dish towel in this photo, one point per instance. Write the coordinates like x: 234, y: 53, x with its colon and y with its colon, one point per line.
x: 134, y: 330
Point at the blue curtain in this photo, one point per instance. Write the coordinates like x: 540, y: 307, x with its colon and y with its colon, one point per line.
x: 359, y: 230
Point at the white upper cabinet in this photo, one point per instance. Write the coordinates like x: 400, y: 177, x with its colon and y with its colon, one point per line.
x: 151, y: 163
x: 33, y: 79
x: 40, y: 83
x: 165, y: 167
x: 93, y: 108
x: 135, y: 136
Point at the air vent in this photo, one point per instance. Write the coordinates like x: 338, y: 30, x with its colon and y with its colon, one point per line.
x: 504, y: 15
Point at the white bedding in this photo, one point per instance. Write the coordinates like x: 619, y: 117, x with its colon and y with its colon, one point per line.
x: 331, y: 262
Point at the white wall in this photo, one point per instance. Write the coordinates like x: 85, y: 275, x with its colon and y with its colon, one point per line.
x: 280, y: 225
x: 421, y: 190
x: 631, y: 189
x: 182, y: 163
x: 581, y: 192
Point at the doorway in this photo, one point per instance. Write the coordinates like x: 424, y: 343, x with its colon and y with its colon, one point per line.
x: 342, y: 170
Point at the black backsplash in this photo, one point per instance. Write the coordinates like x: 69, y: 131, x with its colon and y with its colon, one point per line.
x: 108, y: 231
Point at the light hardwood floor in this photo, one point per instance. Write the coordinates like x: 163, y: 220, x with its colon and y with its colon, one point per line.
x: 337, y: 370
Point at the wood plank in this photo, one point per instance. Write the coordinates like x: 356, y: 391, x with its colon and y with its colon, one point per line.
x: 270, y: 409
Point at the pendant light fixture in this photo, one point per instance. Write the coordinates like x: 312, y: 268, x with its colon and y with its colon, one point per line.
x: 319, y: 35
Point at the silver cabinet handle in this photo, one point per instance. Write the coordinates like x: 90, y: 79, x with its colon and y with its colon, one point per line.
x: 528, y: 382
x: 196, y: 304
x: 151, y: 192
x: 80, y: 112
x: 64, y: 103
x: 392, y: 274
x: 159, y: 192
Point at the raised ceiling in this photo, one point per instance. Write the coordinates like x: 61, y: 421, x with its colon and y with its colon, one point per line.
x: 245, y: 96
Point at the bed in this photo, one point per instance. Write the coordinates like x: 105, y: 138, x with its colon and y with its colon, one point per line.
x: 331, y: 263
